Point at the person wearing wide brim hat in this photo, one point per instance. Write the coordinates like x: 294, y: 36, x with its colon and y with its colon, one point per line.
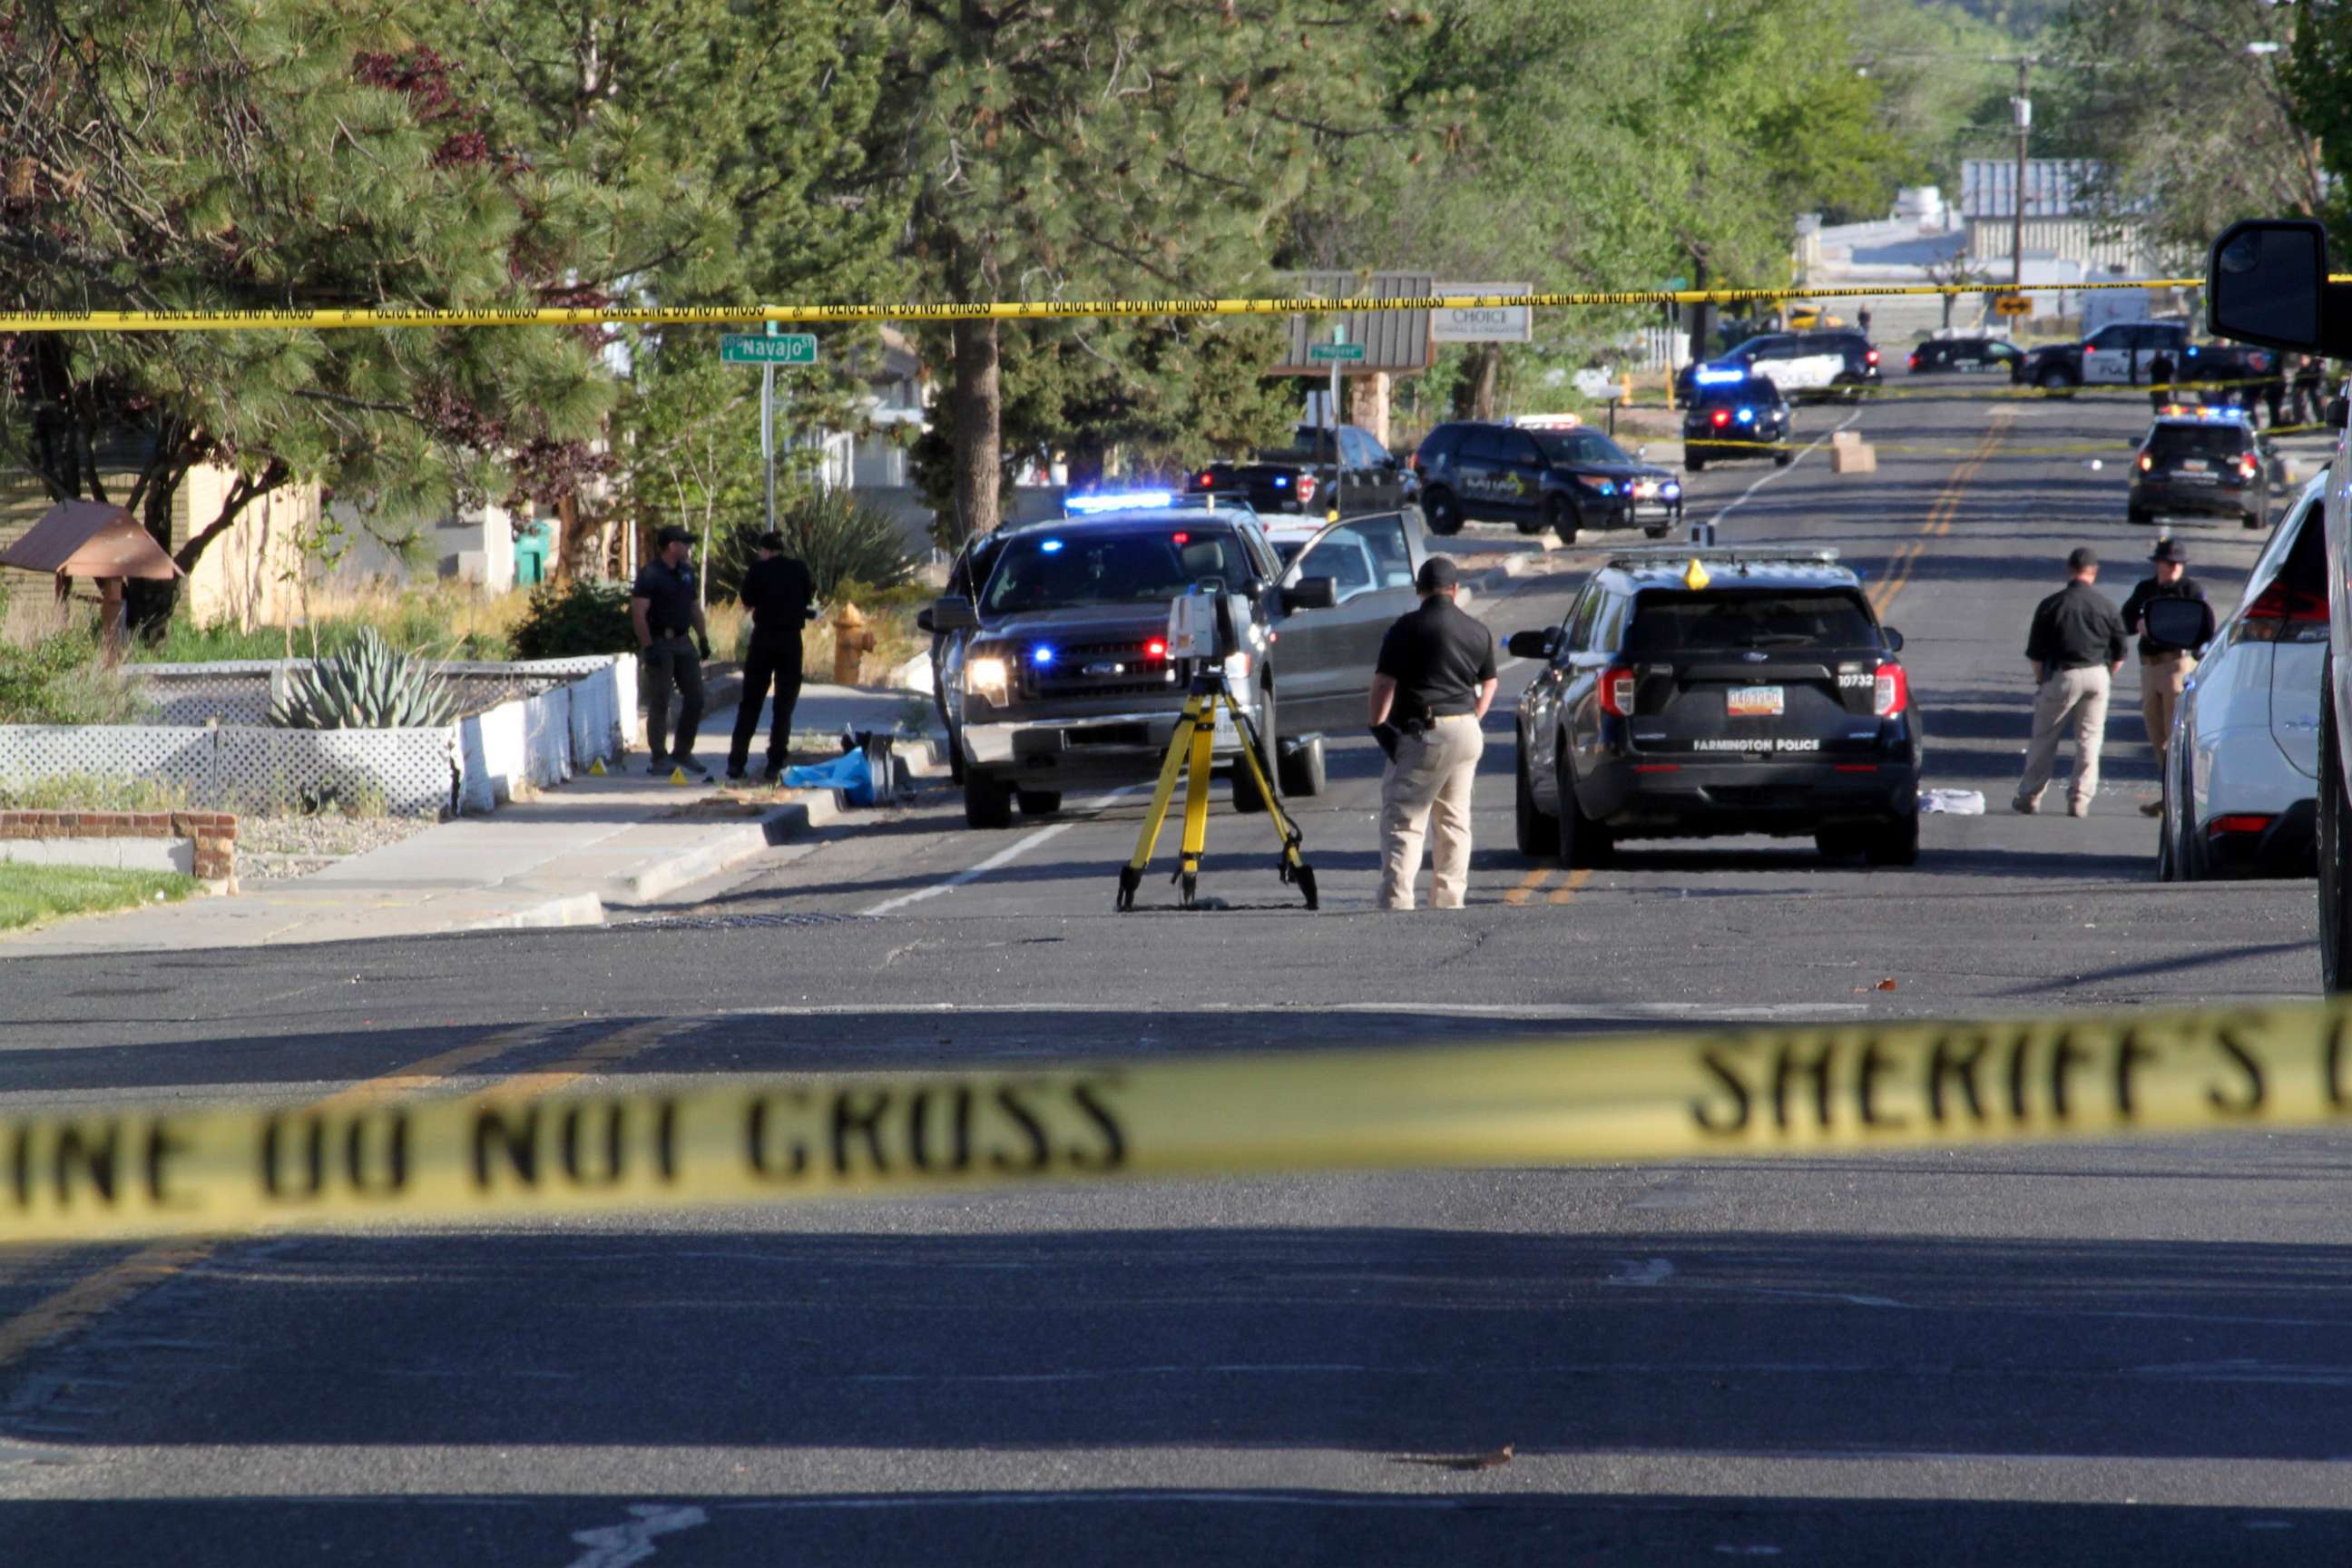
x: 2163, y: 668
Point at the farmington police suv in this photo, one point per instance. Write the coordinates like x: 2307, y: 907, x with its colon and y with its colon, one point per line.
x: 1719, y: 693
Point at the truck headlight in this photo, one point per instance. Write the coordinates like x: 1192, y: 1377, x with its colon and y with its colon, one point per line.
x: 988, y: 678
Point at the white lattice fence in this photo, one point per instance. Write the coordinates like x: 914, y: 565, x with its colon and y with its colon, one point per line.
x: 243, y: 767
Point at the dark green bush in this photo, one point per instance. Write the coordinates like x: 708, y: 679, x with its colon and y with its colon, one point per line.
x: 845, y: 541
x: 585, y: 615
x: 59, y: 681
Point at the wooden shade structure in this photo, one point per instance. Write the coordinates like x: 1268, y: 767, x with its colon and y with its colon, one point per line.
x: 92, y: 539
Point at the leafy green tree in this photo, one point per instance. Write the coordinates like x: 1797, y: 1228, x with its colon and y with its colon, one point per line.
x: 169, y: 153
x: 1096, y: 147
x: 2194, y: 129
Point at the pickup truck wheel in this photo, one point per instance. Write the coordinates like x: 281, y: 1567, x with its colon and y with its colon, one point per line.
x: 1246, y: 798
x: 2334, y: 845
x: 2139, y: 514
x: 1038, y: 802
x: 1444, y: 512
x: 987, y: 802
x: 1583, y: 843
x: 1537, y: 834
x: 955, y: 758
x: 1784, y: 457
x: 2252, y: 518
x: 1561, y: 517
x: 1303, y: 775
x: 1695, y: 465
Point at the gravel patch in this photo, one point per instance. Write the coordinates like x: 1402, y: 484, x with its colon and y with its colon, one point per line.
x: 277, y: 848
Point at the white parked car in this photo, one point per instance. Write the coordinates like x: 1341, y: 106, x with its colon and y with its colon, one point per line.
x: 2241, y: 779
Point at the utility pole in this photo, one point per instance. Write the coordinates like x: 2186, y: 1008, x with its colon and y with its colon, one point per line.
x: 767, y: 433
x: 2022, y: 107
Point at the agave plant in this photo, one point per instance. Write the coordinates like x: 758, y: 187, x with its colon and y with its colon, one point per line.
x: 367, y: 686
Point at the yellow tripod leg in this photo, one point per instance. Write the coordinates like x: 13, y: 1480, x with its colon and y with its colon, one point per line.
x: 1196, y: 801
x: 1180, y: 746
x: 1293, y: 865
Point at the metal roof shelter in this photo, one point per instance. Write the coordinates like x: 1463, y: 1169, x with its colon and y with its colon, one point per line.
x: 90, y: 539
x: 2054, y: 187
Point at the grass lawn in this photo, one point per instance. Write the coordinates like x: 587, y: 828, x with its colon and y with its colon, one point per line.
x: 30, y: 894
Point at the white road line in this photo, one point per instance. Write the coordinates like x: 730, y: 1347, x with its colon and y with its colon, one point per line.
x: 1003, y: 856
x: 1819, y: 442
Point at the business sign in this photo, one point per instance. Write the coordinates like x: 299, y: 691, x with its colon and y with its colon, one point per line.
x: 1497, y: 324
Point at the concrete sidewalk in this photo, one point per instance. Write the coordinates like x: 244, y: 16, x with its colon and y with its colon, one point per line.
x: 561, y: 859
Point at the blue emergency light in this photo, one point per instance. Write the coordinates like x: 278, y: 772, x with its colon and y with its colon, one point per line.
x: 1748, y: 416
x: 1042, y: 655
x: 1051, y: 547
x: 1119, y: 500
x: 1708, y: 376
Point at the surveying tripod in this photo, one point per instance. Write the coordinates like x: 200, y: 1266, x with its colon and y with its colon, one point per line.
x: 1190, y: 752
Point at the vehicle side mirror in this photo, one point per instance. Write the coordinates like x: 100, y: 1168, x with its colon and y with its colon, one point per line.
x: 923, y: 622
x: 2336, y: 409
x: 1532, y: 645
x: 2182, y: 623
x: 1310, y: 594
x: 2266, y: 282
x: 1894, y: 638
x: 954, y: 613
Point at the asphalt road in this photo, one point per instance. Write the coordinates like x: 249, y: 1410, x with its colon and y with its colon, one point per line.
x: 2121, y: 1353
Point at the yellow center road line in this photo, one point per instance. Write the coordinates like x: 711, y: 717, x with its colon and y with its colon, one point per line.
x: 71, y: 1308
x: 1940, y: 516
x: 1528, y: 886
x: 1576, y: 879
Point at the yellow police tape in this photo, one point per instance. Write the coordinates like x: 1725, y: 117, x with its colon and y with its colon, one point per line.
x: 92, y: 1174
x: 279, y: 319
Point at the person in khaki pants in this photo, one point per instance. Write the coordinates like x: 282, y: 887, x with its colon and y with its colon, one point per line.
x: 1431, y: 690
x: 2163, y: 668
x: 2076, y: 647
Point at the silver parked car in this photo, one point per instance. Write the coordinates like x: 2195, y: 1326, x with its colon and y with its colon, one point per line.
x: 2242, y: 777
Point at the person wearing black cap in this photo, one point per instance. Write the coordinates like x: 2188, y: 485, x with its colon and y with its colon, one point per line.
x: 1433, y: 686
x: 664, y: 605
x: 778, y: 592
x: 2163, y: 668
x: 2076, y: 647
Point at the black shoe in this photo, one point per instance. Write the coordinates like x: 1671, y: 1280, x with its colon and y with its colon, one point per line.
x: 773, y: 772
x: 735, y: 773
x: 693, y: 768
x: 657, y: 769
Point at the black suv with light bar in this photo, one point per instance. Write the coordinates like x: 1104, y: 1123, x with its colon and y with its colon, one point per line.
x: 1719, y: 693
x: 1565, y: 480
x: 1060, y: 674
x: 2206, y: 462
x: 1735, y: 415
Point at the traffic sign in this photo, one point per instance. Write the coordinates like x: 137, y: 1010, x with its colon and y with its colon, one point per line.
x: 785, y: 348
x: 1321, y: 352
x: 2013, y: 305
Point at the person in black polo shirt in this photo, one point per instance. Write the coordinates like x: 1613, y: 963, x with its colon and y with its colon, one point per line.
x: 664, y: 605
x: 778, y: 591
x: 2076, y: 647
x: 1433, y: 686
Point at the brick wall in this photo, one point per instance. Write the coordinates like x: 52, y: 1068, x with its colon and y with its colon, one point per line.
x: 212, y: 833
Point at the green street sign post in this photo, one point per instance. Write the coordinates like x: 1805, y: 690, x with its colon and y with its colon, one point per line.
x: 785, y: 348
x: 1335, y: 352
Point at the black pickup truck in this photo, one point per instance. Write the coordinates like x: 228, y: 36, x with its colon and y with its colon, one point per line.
x: 1301, y: 477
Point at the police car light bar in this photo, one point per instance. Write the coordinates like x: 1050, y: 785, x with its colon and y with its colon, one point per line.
x: 1549, y: 421
x: 1119, y: 500
x: 1725, y: 555
x: 1708, y: 376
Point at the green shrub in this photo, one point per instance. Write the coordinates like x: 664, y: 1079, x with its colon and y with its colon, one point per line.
x: 585, y: 615
x: 58, y: 679
x: 845, y: 541
x: 93, y: 792
x: 368, y: 686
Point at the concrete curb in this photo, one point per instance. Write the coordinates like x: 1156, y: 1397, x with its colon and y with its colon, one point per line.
x: 571, y: 910
x: 780, y: 823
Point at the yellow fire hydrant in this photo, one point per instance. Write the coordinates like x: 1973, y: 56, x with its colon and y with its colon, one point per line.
x: 850, y: 643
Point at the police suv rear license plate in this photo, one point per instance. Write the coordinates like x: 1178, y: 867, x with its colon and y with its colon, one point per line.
x: 2195, y: 465
x: 1755, y: 703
